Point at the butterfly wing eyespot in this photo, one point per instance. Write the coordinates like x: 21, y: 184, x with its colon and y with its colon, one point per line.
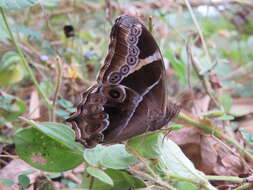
x: 94, y: 108
x: 133, y: 50
x: 132, y: 39
x: 124, y: 69
x: 114, y: 93
x: 97, y: 99
x: 94, y: 119
x: 135, y: 31
x: 131, y: 60
x: 115, y: 77
x: 100, y: 116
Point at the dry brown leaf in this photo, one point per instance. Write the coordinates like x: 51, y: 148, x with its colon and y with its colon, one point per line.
x: 14, y: 169
x: 185, y: 136
x: 246, y: 124
x: 34, y: 106
x: 242, y: 106
x: 208, y: 153
x: 200, y: 105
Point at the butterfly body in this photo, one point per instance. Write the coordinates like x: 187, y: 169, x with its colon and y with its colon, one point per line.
x: 130, y: 96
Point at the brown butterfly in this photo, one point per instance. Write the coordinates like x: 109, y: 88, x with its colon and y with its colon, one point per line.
x: 129, y: 97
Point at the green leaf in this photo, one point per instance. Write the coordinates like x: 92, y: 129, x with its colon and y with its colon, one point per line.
x: 57, y: 131
x: 176, y: 127
x: 247, y: 136
x: 168, y: 157
x: 29, y: 171
x: 116, y: 157
x: 23, y: 180
x: 100, y: 174
x: 143, y: 143
x: 44, y: 153
x: 7, y: 182
x: 226, y: 101
x: 178, y: 66
x: 53, y: 175
x: 48, y: 146
x: 17, y: 4
x: 181, y: 185
x: 94, y: 155
x: 11, y: 70
x: 65, y: 103
x: 11, y: 107
x: 3, y: 31
x: 28, y: 32
x: 121, y: 180
x: 69, y: 183
x: 225, y: 117
x: 47, y: 87
x: 50, y: 3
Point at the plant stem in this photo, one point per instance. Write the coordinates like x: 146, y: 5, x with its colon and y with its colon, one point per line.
x: 203, y: 78
x: 225, y: 178
x: 58, y: 85
x: 156, y: 181
x: 244, y: 186
x: 150, y: 24
x: 8, y: 156
x: 24, y: 61
x: 210, y: 128
x: 195, y: 21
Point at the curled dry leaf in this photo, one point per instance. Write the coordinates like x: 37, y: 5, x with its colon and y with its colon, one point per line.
x: 214, y: 80
x: 207, y: 154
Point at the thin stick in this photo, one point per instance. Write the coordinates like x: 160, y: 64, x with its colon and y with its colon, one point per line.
x: 245, y: 186
x: 58, y: 85
x: 225, y: 178
x: 156, y: 181
x: 203, y: 78
x: 198, y: 29
x: 24, y: 61
x: 150, y: 24
x: 8, y: 156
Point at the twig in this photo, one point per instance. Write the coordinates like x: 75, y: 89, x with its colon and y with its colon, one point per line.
x: 203, y: 78
x: 143, y: 161
x: 91, y: 182
x: 58, y: 85
x: 225, y: 178
x: 8, y: 156
x: 244, y: 186
x: 150, y: 24
x: 156, y: 181
x: 24, y: 61
x: 198, y: 29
